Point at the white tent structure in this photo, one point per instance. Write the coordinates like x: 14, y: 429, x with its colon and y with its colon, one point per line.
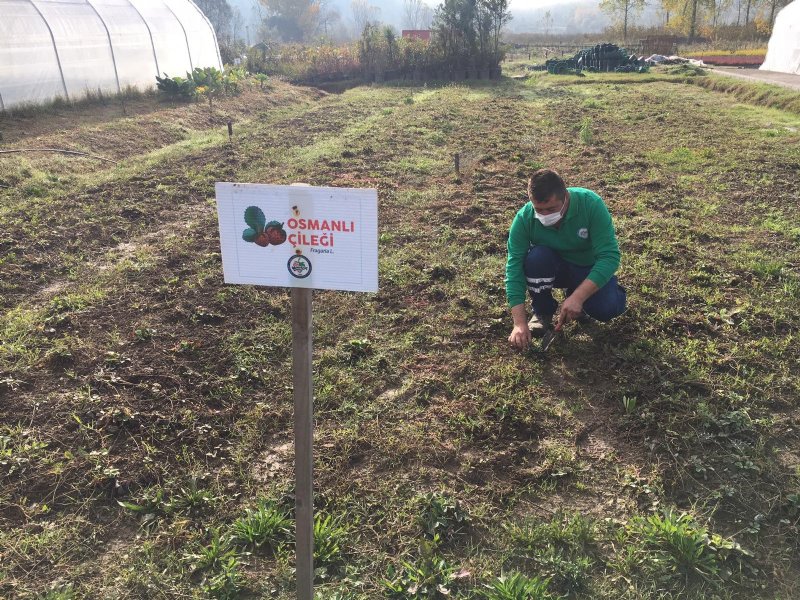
x: 783, y: 52
x: 66, y: 48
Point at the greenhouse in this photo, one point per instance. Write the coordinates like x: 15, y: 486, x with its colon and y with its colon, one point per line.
x: 783, y: 53
x: 71, y: 48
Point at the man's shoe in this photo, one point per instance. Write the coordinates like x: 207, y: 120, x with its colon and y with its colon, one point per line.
x: 539, y: 325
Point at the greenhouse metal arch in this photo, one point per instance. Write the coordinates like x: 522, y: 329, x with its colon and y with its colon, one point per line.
x: 70, y: 48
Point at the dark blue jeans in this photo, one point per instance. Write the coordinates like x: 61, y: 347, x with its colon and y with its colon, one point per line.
x: 545, y: 269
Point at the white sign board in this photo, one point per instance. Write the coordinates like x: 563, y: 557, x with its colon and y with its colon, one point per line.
x: 290, y: 236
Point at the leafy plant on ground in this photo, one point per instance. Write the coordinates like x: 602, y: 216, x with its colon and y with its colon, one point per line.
x: 213, y: 555
x: 586, y: 135
x: 60, y: 592
x: 176, y: 88
x: 155, y: 503
x: 261, y: 78
x: 441, y: 516
x: 226, y: 582
x: 329, y: 537
x: 570, y: 532
x: 192, y: 499
x: 431, y: 576
x: 516, y: 586
x: 629, y: 404
x: 677, y: 546
x: 232, y: 79
x: 557, y: 549
x: 266, y: 526
x: 210, y: 83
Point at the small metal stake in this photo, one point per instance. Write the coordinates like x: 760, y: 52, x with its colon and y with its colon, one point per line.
x: 230, y: 130
x: 456, y: 163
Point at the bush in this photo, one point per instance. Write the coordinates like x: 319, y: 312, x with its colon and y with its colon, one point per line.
x: 208, y: 81
x: 176, y: 88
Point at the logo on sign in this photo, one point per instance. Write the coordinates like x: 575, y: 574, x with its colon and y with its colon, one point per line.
x: 299, y: 266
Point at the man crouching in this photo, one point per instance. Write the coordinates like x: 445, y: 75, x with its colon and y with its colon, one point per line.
x: 564, y: 238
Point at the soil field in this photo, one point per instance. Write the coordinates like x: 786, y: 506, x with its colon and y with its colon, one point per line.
x: 146, y: 407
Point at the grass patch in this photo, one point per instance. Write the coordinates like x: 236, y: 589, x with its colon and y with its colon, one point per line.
x: 149, y: 405
x: 770, y: 96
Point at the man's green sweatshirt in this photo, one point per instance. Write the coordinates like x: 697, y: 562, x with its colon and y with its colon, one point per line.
x: 585, y: 236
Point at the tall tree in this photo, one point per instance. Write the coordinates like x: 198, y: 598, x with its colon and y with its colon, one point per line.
x: 548, y: 23
x: 237, y: 25
x: 413, y: 14
x: 688, y: 13
x: 293, y: 20
x: 500, y: 16
x: 363, y: 13
x: 769, y: 9
x: 220, y: 14
x: 719, y: 8
x: 624, y: 10
x: 329, y: 15
x: 774, y: 7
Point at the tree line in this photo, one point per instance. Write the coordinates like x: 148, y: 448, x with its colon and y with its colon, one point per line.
x: 707, y: 18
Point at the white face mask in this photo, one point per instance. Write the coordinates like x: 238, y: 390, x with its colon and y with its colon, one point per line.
x: 549, y: 220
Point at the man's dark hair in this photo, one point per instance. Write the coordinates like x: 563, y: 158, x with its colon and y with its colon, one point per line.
x: 544, y: 183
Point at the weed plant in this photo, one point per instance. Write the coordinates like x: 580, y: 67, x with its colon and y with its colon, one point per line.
x: 516, y: 586
x: 441, y: 517
x: 329, y: 539
x: 586, y: 135
x: 265, y: 527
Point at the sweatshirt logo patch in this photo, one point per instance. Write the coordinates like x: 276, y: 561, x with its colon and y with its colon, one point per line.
x: 583, y: 233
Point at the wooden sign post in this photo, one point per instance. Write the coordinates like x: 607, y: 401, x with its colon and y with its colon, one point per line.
x: 304, y: 238
x: 302, y: 381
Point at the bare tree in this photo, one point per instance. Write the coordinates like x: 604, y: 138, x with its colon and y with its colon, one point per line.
x: 774, y: 7
x: 719, y: 7
x: 624, y: 10
x: 426, y: 18
x: 219, y: 13
x: 328, y: 16
x: 363, y: 13
x: 412, y: 14
x: 548, y: 23
x: 237, y: 24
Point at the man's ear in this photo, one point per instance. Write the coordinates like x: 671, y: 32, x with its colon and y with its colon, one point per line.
x: 567, y: 195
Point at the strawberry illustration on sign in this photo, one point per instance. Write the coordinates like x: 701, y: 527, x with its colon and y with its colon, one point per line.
x: 259, y: 231
x: 275, y: 232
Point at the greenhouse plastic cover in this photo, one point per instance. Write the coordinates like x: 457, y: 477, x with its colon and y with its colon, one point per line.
x: 783, y: 52
x: 68, y: 48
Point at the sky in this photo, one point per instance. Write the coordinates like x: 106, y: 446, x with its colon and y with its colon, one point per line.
x: 532, y: 4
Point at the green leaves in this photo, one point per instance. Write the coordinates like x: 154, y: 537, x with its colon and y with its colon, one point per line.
x: 255, y: 218
x: 516, y: 586
x: 265, y: 526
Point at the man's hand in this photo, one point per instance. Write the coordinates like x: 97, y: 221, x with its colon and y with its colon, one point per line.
x: 520, y: 337
x: 571, y: 309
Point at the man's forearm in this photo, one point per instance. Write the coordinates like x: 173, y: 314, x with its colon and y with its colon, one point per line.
x: 519, y: 315
x: 585, y: 290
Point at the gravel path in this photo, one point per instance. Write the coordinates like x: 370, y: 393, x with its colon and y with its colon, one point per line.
x: 782, y: 79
